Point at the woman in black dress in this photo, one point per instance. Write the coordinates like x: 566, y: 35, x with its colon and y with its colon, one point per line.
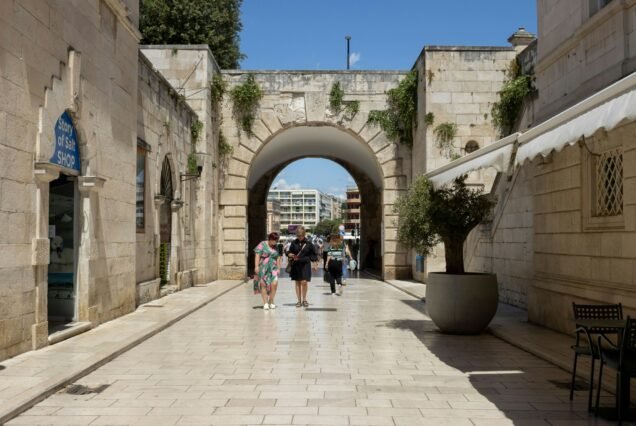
x: 301, y: 253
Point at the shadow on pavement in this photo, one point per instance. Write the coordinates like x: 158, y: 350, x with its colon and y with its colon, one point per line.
x: 526, y: 389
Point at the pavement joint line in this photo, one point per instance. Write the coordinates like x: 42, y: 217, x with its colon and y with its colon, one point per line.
x: 54, y: 384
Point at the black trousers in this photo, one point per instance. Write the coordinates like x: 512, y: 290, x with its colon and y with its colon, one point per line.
x: 335, y: 273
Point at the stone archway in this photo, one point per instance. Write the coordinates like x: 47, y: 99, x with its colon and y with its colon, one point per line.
x: 371, y: 219
x: 294, y: 121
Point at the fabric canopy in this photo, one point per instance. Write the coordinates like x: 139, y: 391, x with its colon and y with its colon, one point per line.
x: 604, y: 110
x: 496, y: 155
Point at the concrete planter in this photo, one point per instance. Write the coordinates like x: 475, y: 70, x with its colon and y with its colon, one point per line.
x: 461, y: 304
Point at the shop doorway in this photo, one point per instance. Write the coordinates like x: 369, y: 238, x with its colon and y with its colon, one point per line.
x: 165, y: 221
x: 63, y: 236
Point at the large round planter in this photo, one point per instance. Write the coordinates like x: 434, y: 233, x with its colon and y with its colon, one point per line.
x: 461, y: 304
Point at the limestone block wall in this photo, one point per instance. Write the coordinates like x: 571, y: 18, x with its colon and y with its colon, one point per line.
x: 296, y: 99
x: 457, y: 85
x: 580, y: 51
x: 577, y: 259
x: 164, y: 123
x: 504, y: 246
x: 81, y: 57
x: 189, y: 69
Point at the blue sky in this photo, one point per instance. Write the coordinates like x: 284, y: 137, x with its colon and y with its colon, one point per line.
x: 386, y: 34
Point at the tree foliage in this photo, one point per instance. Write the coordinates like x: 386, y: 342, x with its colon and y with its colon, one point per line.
x: 327, y: 226
x: 216, y: 23
x: 398, y: 119
x: 428, y: 216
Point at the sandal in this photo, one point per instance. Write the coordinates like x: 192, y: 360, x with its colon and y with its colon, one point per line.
x: 298, y: 305
x: 306, y: 304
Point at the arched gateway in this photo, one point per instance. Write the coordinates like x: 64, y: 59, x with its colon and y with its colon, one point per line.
x: 294, y: 120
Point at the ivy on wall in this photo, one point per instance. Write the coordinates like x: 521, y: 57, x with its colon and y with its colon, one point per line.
x: 516, y: 89
x: 399, y: 118
x: 225, y: 149
x: 195, y: 135
x: 338, y: 104
x: 444, y: 136
x: 218, y: 87
x: 246, y: 98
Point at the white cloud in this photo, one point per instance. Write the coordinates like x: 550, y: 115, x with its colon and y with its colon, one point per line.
x: 282, y: 184
x: 354, y: 58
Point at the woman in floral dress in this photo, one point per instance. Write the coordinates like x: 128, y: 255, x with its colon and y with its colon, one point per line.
x: 267, y: 270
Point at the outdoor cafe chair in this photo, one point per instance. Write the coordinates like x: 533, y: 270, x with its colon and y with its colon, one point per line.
x: 622, y: 358
x: 586, y: 346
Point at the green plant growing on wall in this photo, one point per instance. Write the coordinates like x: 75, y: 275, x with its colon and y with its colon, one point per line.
x: 429, y: 119
x: 218, y: 87
x: 428, y: 216
x: 517, y: 88
x: 338, y: 104
x: 225, y: 149
x: 455, y: 156
x: 399, y: 118
x: 444, y: 135
x: 246, y: 98
x: 192, y: 164
x: 195, y: 131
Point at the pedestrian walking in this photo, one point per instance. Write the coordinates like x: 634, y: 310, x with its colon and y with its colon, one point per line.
x: 267, y: 270
x: 301, y: 255
x: 345, y: 263
x: 335, y: 256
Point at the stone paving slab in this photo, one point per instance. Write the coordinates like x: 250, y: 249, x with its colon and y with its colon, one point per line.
x: 31, y: 377
x: 511, y: 324
x: 368, y: 357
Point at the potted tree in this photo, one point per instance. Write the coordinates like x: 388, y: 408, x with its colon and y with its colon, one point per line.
x: 457, y: 302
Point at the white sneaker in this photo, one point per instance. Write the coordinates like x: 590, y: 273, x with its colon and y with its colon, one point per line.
x: 333, y: 294
x: 272, y: 306
x: 266, y: 307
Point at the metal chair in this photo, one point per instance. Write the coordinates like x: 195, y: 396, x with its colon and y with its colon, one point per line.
x: 604, y: 312
x: 622, y: 358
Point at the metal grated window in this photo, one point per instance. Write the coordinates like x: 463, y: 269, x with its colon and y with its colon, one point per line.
x: 609, y: 183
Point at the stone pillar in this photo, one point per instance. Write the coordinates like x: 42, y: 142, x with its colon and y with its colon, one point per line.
x: 175, y: 240
x: 159, y: 200
x: 43, y: 173
x: 87, y: 256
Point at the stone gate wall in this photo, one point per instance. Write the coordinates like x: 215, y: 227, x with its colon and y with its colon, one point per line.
x: 297, y: 98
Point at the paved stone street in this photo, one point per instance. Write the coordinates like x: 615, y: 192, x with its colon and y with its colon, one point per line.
x: 370, y: 357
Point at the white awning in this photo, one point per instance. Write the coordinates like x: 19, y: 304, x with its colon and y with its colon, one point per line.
x: 496, y: 155
x: 605, y: 109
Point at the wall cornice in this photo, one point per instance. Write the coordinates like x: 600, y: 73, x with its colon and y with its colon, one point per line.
x: 121, y: 12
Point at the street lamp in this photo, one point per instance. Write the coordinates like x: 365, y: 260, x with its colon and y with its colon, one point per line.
x: 348, y: 38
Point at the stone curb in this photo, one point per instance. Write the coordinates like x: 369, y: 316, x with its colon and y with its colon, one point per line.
x: 42, y: 391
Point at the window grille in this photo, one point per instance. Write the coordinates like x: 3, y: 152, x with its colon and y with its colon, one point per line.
x: 609, y: 183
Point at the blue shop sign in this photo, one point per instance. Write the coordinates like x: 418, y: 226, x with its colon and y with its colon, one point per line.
x: 66, y: 153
